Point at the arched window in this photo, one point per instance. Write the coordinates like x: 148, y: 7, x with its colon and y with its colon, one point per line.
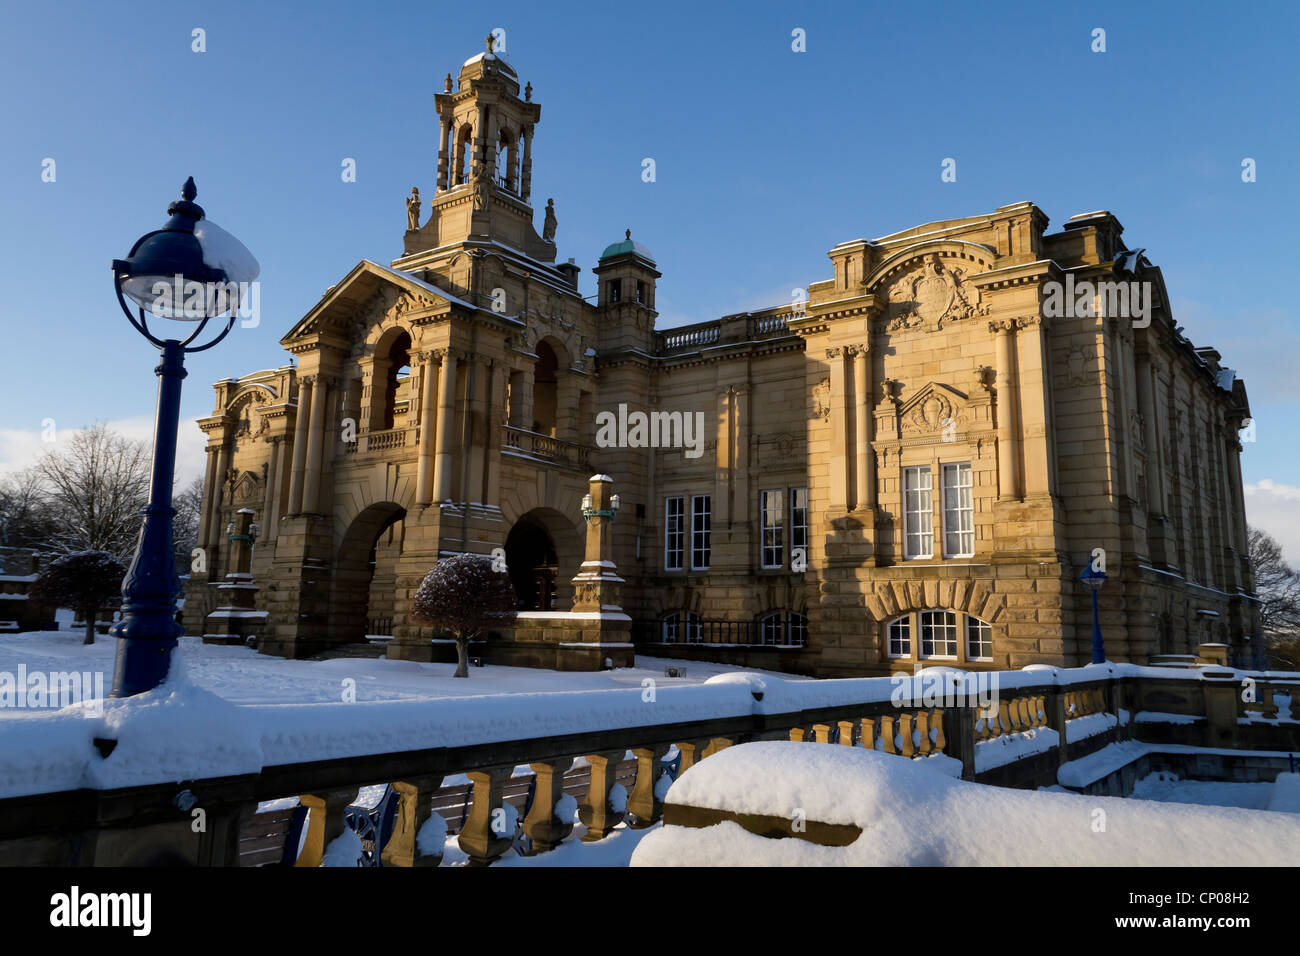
x: 900, y: 636
x: 545, y: 380
x: 939, y: 634
x: 783, y: 629
x: 464, y: 136
x: 394, y: 398
x: 507, y: 160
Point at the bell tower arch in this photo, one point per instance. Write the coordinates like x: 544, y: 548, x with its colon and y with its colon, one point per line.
x: 484, y: 178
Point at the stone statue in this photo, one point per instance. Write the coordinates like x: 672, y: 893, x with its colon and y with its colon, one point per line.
x: 548, y: 227
x: 528, y: 92
x: 447, y: 83
x: 413, y: 208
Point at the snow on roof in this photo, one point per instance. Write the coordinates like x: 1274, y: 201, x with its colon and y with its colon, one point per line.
x: 428, y: 287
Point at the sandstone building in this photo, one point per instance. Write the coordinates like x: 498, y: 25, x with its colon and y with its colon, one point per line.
x: 915, y: 464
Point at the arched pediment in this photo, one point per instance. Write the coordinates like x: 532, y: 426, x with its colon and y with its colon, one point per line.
x: 927, y: 284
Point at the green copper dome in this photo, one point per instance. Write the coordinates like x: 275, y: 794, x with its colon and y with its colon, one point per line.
x: 626, y: 246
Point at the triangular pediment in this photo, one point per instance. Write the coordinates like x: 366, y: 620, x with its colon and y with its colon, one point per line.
x: 933, y: 404
x: 366, y: 287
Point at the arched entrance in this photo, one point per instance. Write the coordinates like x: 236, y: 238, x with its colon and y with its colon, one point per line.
x: 362, y: 592
x: 543, y: 551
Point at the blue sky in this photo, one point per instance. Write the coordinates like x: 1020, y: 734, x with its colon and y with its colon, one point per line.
x: 765, y: 159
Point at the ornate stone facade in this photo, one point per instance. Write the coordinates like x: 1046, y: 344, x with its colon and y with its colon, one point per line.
x: 915, y: 464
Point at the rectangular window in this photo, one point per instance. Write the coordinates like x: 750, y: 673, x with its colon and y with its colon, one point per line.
x: 799, y: 521
x: 701, y: 537
x: 939, y: 634
x: 674, y: 534
x: 918, y: 515
x: 979, y: 640
x: 615, y: 287
x: 958, y: 512
x: 900, y: 637
x: 773, y: 528
x: 640, y: 292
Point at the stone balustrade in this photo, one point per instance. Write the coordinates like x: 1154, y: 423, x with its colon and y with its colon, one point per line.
x: 615, y: 776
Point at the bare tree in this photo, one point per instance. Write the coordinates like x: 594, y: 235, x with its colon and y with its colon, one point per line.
x: 1278, y: 587
x: 95, y: 486
x: 25, y: 518
x: 185, y: 525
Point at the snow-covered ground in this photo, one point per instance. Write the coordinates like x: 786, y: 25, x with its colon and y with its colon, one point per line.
x: 242, y: 676
x: 1170, y: 788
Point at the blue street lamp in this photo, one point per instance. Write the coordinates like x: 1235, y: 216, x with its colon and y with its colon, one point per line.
x: 189, y: 270
x: 1093, y: 580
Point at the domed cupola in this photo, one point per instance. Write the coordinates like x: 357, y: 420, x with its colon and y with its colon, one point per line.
x: 627, y: 273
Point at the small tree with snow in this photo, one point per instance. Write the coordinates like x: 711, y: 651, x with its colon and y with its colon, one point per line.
x: 464, y: 596
x: 84, y: 581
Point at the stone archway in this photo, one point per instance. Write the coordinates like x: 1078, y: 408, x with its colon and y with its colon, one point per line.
x: 355, y: 568
x: 543, y: 551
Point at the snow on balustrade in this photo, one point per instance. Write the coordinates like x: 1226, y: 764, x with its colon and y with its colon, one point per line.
x: 965, y: 823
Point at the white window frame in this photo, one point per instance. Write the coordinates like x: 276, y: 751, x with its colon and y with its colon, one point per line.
x: 799, y: 528
x: 922, y: 516
x: 693, y: 630
x: 771, y: 541
x: 796, y: 621
x: 963, y: 515
x: 677, y: 533
x: 904, y: 622
x: 701, y: 534
x: 985, y: 631
x: 948, y: 626
x: 774, y: 619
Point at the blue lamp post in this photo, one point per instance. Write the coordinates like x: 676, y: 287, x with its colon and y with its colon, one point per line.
x: 187, y: 271
x: 1093, y: 580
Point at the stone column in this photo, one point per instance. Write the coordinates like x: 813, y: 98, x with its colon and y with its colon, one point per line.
x: 315, y: 446
x: 645, y: 808
x: 444, y: 155
x: 325, y: 822
x: 1008, y: 452
x: 209, y: 485
x: 839, y: 451
x: 1033, y: 411
x: 415, y: 805
x: 541, y: 825
x: 271, y: 508
x: 475, y: 378
x: 301, y: 425
x: 218, y: 491
x: 526, y: 184
x: 480, y: 837
x: 740, y: 454
x: 864, y: 459
x: 428, y: 404
x: 596, y: 811
x: 445, y: 442
x: 493, y: 437
x: 722, y: 461
x: 1155, y: 502
x: 480, y: 141
x: 692, y: 752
